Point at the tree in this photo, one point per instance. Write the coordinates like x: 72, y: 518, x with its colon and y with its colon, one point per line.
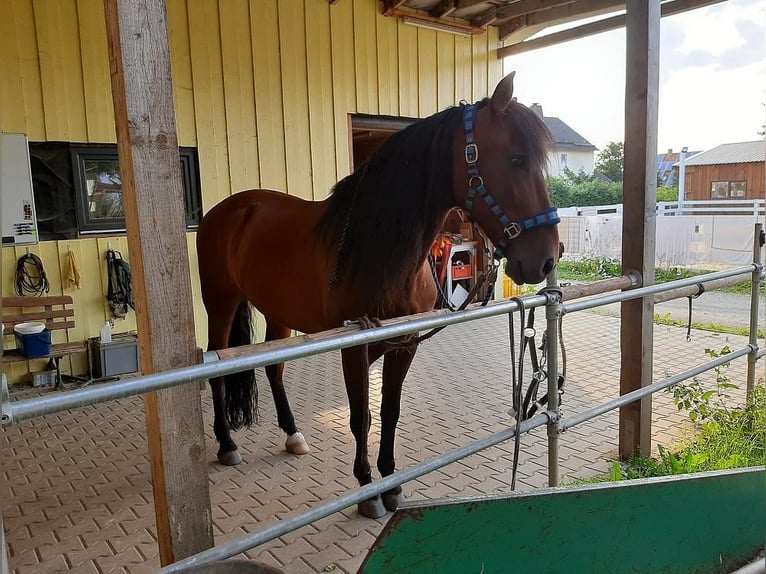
x: 610, y: 161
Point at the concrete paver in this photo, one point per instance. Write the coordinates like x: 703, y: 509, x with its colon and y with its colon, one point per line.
x: 76, y: 485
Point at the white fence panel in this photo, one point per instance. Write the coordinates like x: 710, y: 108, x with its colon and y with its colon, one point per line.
x: 684, y: 240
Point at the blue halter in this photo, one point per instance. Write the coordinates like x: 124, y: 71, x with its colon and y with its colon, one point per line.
x: 511, y: 229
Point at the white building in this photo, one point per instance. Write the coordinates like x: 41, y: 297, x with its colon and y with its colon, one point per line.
x: 572, y: 150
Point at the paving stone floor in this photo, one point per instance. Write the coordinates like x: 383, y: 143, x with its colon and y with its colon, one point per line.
x: 76, y: 493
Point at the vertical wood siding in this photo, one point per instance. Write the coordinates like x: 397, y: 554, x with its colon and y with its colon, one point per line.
x: 263, y: 89
x: 700, y: 178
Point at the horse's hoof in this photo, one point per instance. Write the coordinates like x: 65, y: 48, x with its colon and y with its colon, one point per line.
x: 230, y: 458
x: 372, y: 508
x: 296, y: 444
x: 391, y: 500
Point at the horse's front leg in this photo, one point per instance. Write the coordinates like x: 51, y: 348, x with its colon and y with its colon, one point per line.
x: 227, y: 448
x: 396, y: 364
x: 356, y: 365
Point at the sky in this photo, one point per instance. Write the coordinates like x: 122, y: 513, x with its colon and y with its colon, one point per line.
x: 712, y: 79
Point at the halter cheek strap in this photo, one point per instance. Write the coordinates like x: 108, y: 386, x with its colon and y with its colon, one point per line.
x: 511, y: 229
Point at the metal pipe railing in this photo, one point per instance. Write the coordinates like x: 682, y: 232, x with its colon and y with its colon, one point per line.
x: 552, y: 318
x: 262, y: 355
x: 299, y: 347
x: 569, y: 422
x: 306, y: 517
x: 658, y: 288
x: 755, y: 295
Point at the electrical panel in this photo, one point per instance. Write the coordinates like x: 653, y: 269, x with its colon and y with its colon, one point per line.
x: 19, y: 222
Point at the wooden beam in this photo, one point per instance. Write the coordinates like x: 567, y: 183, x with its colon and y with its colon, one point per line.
x: 639, y: 218
x: 443, y: 8
x: 524, y: 7
x: 485, y: 18
x: 564, y: 36
x: 559, y: 15
x: 153, y: 199
x: 611, y: 23
x: 390, y: 6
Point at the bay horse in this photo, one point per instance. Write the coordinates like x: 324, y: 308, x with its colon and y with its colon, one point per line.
x: 362, y: 253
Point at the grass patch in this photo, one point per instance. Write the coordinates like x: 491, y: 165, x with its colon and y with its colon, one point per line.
x: 666, y: 319
x: 604, y: 268
x: 726, y: 437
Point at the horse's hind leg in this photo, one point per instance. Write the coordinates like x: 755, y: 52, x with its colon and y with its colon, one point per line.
x: 356, y: 367
x: 396, y: 364
x: 219, y: 326
x: 296, y: 443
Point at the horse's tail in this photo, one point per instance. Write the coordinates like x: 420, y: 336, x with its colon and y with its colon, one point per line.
x: 241, y: 405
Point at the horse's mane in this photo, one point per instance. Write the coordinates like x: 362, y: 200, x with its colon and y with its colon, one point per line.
x: 384, y: 216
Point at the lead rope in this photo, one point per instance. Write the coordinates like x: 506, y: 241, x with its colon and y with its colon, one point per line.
x: 517, y: 383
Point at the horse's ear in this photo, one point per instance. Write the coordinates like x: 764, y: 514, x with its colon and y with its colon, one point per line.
x: 503, y: 95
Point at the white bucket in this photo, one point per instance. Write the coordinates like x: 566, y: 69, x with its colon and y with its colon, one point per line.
x: 29, y: 328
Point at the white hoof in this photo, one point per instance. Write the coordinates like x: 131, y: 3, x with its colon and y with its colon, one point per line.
x: 296, y: 444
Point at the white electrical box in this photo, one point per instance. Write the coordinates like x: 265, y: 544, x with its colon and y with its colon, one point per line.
x: 19, y: 221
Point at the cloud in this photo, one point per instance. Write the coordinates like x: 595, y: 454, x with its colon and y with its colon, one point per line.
x: 723, y: 37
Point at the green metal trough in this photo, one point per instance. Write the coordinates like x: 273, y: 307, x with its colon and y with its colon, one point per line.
x: 704, y: 523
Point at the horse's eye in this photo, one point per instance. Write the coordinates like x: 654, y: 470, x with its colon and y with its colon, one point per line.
x: 517, y: 161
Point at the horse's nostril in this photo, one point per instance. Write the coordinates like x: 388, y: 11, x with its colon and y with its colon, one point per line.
x: 548, y: 267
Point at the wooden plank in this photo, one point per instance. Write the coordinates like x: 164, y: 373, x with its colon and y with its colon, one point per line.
x: 494, y: 63
x: 61, y: 70
x: 295, y: 106
x: 639, y: 220
x: 268, y: 93
x: 427, y: 72
x: 612, y: 23
x: 320, y: 88
x: 408, y: 71
x: 180, y: 61
x: 99, y: 113
x: 366, y: 61
x: 239, y: 95
x: 480, y: 58
x: 21, y: 104
x: 26, y: 302
x: 463, y: 69
x: 209, y: 103
x: 388, y: 65
x: 148, y: 147
x: 445, y: 65
x: 344, y: 92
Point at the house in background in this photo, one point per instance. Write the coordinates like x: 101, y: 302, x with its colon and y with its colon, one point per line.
x: 571, y: 151
x: 667, y: 167
x: 729, y: 171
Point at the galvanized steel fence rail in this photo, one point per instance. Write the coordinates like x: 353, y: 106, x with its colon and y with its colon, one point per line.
x: 299, y: 347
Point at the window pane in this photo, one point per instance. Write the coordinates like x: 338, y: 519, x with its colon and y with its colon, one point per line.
x: 102, y: 178
x: 738, y: 188
x: 720, y: 189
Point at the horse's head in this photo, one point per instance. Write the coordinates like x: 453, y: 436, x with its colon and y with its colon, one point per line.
x: 499, y: 174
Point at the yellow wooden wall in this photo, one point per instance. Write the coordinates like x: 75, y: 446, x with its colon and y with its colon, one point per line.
x: 263, y: 89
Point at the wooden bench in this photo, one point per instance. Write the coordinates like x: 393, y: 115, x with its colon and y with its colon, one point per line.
x: 56, y: 312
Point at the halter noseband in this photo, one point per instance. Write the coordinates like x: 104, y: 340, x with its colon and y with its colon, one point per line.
x: 511, y: 229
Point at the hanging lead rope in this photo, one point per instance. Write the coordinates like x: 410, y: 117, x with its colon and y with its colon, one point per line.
x: 30, y: 276
x: 517, y: 384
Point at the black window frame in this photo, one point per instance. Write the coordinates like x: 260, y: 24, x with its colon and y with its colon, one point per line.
x: 86, y: 225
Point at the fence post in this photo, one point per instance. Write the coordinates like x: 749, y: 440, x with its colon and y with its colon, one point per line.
x: 755, y: 293
x: 553, y: 316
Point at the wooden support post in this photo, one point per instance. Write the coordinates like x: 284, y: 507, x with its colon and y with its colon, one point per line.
x: 638, y: 223
x: 154, y: 212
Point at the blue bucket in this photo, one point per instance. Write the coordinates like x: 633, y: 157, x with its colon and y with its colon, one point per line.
x: 34, y: 345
